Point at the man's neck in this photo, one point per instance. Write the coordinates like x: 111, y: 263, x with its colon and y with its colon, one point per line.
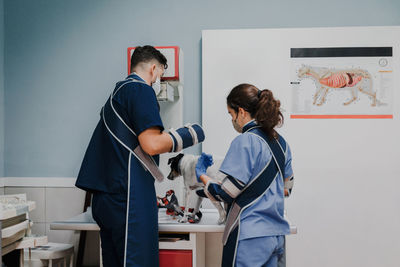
x: 143, y: 76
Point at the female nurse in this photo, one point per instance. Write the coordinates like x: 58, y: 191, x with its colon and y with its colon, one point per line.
x: 259, y: 176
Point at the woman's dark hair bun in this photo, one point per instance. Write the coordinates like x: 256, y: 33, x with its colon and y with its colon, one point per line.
x: 261, y: 105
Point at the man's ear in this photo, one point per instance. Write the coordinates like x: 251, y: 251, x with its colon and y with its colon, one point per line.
x: 153, y: 68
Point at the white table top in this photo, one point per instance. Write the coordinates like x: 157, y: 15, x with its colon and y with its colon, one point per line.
x: 208, y: 223
x: 83, y: 221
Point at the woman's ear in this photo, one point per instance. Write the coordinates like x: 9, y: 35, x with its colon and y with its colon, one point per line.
x: 241, y: 112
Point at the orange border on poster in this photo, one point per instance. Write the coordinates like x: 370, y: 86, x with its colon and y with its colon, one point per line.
x: 383, y: 116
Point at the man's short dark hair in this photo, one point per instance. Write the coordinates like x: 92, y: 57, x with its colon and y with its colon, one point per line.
x: 147, y: 53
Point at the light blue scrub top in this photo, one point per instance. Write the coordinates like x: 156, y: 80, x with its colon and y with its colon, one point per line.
x: 246, y: 158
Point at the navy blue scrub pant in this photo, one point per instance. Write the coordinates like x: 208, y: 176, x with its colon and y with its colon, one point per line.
x: 109, y: 212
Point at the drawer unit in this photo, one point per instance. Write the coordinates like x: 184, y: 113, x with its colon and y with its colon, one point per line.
x: 182, y: 249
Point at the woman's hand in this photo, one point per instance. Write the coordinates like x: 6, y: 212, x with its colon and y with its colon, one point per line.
x: 203, y: 163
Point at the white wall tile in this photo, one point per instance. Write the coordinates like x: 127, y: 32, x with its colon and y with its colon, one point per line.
x: 1, y: 190
x: 36, y: 194
x: 63, y: 203
x: 38, y: 229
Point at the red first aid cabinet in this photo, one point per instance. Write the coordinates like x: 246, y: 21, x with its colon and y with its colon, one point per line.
x: 182, y: 249
x: 176, y: 258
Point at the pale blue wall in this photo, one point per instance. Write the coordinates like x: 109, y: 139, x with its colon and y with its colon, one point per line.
x: 63, y: 57
x: 1, y: 88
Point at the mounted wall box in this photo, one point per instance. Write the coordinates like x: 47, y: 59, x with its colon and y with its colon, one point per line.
x: 167, y: 92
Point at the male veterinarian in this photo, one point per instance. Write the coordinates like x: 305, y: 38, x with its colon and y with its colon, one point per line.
x: 121, y: 163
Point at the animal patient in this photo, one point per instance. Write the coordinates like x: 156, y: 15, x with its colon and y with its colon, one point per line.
x: 184, y: 165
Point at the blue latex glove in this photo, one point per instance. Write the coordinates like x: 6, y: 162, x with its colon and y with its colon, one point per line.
x: 203, y: 163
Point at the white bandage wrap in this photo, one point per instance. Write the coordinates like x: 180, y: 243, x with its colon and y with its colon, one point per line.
x: 211, y: 197
x: 179, y: 142
x: 230, y: 188
x: 192, y: 133
x: 288, y: 185
x: 186, y: 136
x: 173, y: 144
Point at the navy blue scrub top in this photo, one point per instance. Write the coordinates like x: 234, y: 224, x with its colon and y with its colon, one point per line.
x: 104, y: 167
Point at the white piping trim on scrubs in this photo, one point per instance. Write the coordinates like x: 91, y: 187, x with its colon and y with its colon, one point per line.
x: 116, y: 113
x: 127, y: 208
x: 240, y: 213
x: 277, y: 164
x: 258, y: 175
x: 255, y: 178
x: 252, y: 181
x: 112, y: 106
x: 276, y: 161
x: 116, y: 91
x: 236, y: 245
x: 126, y: 146
x: 234, y: 223
x: 256, y: 126
x: 131, y: 80
x: 284, y: 151
x: 251, y: 203
x: 122, y: 143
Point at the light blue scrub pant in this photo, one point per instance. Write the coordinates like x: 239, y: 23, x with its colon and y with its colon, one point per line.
x: 260, y: 251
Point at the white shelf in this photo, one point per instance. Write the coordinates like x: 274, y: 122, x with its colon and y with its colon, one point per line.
x: 37, y: 181
x: 12, y: 230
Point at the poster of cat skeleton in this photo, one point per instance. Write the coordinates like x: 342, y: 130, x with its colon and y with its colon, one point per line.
x: 342, y: 82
